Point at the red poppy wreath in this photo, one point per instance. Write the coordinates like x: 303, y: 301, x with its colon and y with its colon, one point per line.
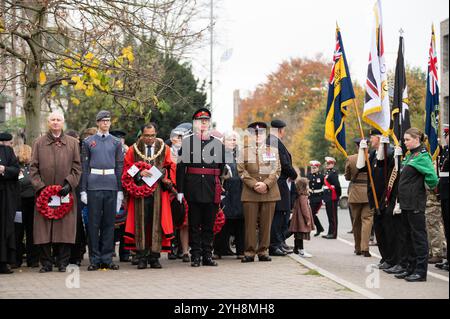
x: 130, y: 185
x: 52, y: 212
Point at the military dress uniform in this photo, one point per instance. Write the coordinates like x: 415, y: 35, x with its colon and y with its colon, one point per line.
x: 316, y: 183
x: 258, y: 163
x: 201, y: 162
x: 331, y: 194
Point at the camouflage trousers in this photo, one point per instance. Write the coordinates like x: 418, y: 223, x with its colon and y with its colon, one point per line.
x: 435, y: 226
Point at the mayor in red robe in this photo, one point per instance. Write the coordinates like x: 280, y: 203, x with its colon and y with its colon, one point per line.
x: 149, y: 226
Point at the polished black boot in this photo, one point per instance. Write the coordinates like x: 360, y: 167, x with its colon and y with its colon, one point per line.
x: 208, y: 261
x: 142, y: 263
x: 154, y: 263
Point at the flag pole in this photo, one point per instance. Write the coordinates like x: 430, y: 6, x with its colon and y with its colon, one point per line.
x: 369, y: 168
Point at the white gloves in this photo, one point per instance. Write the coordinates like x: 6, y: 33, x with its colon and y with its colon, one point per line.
x: 398, y: 151
x: 119, y: 200
x: 397, y: 209
x: 180, y: 197
x: 363, y: 144
x: 380, y: 152
x: 84, y: 198
x: 384, y: 140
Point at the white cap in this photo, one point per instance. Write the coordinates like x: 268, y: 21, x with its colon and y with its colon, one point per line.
x: 314, y: 163
x: 330, y: 159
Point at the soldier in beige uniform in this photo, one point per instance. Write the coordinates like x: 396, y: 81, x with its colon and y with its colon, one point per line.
x: 358, y: 200
x: 435, y: 229
x: 259, y: 168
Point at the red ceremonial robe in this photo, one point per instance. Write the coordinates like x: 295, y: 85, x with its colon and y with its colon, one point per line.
x: 166, y: 213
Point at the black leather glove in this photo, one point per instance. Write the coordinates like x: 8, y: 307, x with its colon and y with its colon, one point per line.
x: 65, y: 190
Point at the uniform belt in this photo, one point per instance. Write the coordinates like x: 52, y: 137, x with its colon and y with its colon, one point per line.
x: 359, y: 181
x: 203, y: 171
x: 443, y: 174
x: 326, y: 187
x: 97, y: 171
x: 316, y: 191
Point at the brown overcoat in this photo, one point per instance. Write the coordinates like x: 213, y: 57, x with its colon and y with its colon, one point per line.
x: 53, y: 163
x: 302, y: 218
x: 357, y: 192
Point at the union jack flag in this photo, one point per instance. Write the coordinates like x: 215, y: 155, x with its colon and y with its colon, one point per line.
x: 432, y: 99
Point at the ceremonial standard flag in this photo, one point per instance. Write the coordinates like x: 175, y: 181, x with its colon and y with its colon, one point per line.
x: 340, y: 95
x: 400, y: 108
x: 432, y: 101
x: 377, y: 112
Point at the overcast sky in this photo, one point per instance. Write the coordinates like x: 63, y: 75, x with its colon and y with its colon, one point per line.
x: 263, y: 33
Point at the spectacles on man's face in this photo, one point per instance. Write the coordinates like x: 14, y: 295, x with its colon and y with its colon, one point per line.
x: 148, y: 135
x: 105, y: 120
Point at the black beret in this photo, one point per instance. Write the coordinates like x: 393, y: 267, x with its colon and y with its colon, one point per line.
x: 5, y: 136
x: 278, y: 124
x: 202, y: 113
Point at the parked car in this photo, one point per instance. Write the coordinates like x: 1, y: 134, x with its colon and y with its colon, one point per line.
x: 343, y: 201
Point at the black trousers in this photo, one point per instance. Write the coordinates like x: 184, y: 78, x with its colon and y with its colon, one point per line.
x: 386, y: 236
x: 235, y: 227
x: 78, y: 249
x: 26, y: 228
x: 278, y: 229
x: 416, y: 241
x: 331, y: 208
x: 201, y: 223
x: 315, y: 207
x: 400, y: 253
x: 445, y: 218
x: 62, y: 254
x: 102, y: 215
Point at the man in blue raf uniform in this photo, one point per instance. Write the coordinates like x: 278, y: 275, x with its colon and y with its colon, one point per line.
x: 443, y: 191
x: 201, y: 161
x: 331, y: 194
x: 280, y: 222
x: 101, y: 190
x: 316, y: 182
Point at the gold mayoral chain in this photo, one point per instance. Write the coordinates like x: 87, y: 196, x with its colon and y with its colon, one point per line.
x: 146, y: 158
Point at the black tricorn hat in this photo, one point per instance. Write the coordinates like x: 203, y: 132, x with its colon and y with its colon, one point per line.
x: 374, y: 131
x: 118, y: 133
x: 257, y: 126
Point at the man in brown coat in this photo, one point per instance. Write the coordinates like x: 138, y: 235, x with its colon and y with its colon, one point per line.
x: 55, y: 161
x: 259, y: 168
x: 359, y: 202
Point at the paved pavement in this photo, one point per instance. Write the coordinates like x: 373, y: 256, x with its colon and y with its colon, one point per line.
x: 340, y: 275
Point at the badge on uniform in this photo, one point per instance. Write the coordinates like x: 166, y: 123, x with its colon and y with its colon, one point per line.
x: 318, y: 180
x: 93, y: 144
x: 269, y: 157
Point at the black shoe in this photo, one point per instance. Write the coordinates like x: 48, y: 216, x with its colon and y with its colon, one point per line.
x: 208, y: 261
x: 264, y: 258
x: 277, y: 252
x: 397, y: 269
x: 385, y: 265
x: 441, y: 265
x: 112, y: 266
x: 415, y: 278
x: 62, y: 268
x: 317, y: 233
x: 5, y: 269
x: 186, y: 258
x: 329, y: 236
x: 154, y: 263
x: 45, y: 269
x: 445, y: 267
x: 171, y: 256
x: 93, y: 267
x: 134, y: 260
x: 142, y: 263
x: 402, y: 275
x: 357, y: 252
x: 366, y: 253
x: 247, y: 259
x: 125, y: 259
x: 287, y: 251
x: 195, y: 262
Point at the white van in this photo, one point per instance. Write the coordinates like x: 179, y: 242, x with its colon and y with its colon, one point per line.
x: 343, y: 201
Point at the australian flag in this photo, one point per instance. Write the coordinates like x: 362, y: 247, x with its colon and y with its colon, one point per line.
x: 432, y: 100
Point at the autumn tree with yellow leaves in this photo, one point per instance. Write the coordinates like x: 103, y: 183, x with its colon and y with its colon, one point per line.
x: 78, y: 45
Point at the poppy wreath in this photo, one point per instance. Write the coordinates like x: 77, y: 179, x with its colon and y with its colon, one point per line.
x: 50, y: 212
x: 219, y: 222
x: 130, y: 185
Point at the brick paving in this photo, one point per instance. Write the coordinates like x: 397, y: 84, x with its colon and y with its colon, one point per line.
x: 282, y: 278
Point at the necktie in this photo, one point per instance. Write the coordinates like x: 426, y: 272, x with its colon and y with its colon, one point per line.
x: 103, y: 136
x: 149, y: 150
